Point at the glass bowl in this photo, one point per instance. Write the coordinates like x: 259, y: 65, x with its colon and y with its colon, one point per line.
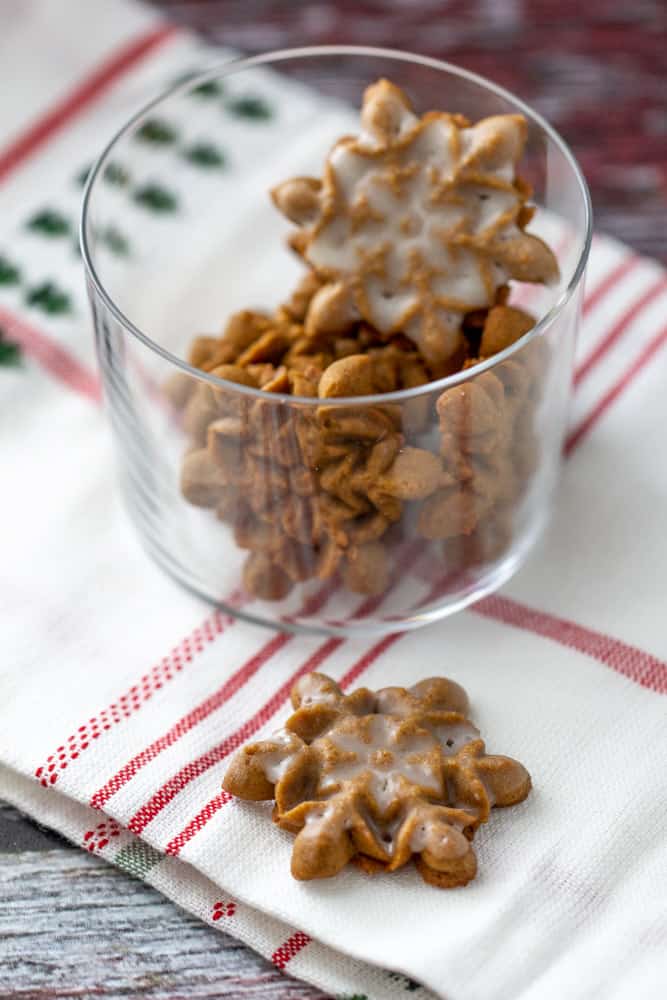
x: 332, y: 515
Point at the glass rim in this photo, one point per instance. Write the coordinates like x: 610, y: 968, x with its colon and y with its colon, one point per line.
x: 235, y: 65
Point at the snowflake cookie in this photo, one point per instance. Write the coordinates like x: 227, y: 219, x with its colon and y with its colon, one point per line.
x: 416, y: 222
x: 379, y: 777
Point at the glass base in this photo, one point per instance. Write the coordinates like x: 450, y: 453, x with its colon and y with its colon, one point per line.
x: 484, y: 583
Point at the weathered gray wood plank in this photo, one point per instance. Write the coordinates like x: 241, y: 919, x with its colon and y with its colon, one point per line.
x: 72, y: 926
x: 18, y: 833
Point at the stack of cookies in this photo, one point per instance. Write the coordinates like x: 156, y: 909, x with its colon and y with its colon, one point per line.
x: 410, y: 240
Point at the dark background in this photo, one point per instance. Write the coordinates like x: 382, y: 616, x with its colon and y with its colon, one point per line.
x: 597, y: 69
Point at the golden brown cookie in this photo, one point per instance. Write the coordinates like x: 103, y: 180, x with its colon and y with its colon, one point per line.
x: 415, y: 222
x: 379, y: 778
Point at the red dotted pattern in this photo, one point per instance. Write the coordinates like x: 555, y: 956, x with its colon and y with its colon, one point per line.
x: 166, y: 793
x: 289, y: 949
x: 193, y: 769
x: 222, y: 909
x: 133, y: 699
x: 101, y: 836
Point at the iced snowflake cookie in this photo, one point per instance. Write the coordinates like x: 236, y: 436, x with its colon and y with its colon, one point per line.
x: 416, y: 222
x: 379, y: 778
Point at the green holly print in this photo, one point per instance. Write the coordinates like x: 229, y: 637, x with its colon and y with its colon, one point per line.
x: 9, y: 273
x: 116, y: 174
x: 10, y: 353
x: 83, y: 175
x: 250, y: 107
x: 157, y: 132
x: 49, y: 223
x: 205, y: 154
x: 49, y: 298
x: 209, y: 89
x: 156, y: 198
x: 116, y: 242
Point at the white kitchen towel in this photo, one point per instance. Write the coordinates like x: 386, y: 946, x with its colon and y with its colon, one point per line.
x: 121, y: 697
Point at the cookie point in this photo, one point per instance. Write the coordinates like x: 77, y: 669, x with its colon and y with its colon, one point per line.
x: 385, y: 112
x: 298, y: 199
x: 386, y: 90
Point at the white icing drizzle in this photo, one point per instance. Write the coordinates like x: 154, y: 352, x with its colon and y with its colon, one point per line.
x: 385, y: 764
x: 438, y: 836
x: 275, y: 763
x: 384, y: 832
x: 389, y: 758
x: 414, y: 222
x: 316, y: 819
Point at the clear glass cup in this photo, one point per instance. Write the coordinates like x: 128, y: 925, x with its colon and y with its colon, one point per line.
x: 178, y: 232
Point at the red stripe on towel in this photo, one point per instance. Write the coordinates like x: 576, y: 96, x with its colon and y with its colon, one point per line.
x: 51, y: 356
x: 618, y: 329
x: 85, y: 92
x: 588, y: 422
x: 612, y: 278
x: 135, y: 697
x: 630, y: 661
x: 199, y: 713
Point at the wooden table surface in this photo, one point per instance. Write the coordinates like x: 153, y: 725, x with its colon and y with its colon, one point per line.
x: 72, y: 926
